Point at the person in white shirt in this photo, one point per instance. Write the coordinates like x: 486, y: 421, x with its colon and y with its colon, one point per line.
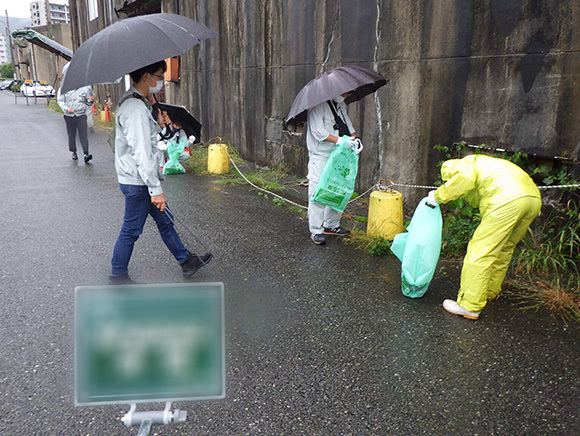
x: 326, y: 124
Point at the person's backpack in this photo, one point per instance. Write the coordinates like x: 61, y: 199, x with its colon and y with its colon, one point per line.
x: 112, y: 134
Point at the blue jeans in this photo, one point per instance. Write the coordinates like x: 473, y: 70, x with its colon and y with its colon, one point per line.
x: 137, y: 207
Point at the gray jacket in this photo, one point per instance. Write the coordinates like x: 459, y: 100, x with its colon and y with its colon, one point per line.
x: 136, y: 152
x: 77, y: 99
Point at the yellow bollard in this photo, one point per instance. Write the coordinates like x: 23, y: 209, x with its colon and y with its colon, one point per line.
x: 385, y: 214
x: 103, y: 114
x: 217, y: 159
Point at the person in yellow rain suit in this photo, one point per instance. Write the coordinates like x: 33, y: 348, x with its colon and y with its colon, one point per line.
x: 509, y: 201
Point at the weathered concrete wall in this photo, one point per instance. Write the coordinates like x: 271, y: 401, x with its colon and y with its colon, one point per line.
x: 46, y: 64
x: 503, y: 72
x: 49, y: 65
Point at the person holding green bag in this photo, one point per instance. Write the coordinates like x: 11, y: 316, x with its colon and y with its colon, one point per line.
x: 327, y: 124
x: 508, y: 200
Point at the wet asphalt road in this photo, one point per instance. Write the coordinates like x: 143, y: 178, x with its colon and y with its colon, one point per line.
x: 319, y: 340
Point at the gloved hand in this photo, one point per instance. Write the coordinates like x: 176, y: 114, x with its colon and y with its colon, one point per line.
x: 191, y: 139
x: 431, y: 199
x: 355, y: 144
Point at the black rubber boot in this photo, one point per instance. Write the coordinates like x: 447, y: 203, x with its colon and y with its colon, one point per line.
x: 194, y: 262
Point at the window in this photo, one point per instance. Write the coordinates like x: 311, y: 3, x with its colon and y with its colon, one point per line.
x: 93, y: 9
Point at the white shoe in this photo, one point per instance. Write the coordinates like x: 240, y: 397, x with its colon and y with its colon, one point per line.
x: 454, y: 308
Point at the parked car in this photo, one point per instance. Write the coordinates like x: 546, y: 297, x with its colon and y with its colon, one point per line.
x: 5, y: 84
x: 36, y: 88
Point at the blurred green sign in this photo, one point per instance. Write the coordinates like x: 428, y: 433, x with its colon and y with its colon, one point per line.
x: 144, y: 343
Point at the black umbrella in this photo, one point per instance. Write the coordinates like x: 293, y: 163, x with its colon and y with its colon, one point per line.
x: 130, y: 44
x: 357, y: 80
x: 179, y: 114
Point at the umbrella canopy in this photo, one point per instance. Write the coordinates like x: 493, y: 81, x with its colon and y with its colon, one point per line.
x: 130, y: 44
x: 179, y: 114
x: 352, y: 78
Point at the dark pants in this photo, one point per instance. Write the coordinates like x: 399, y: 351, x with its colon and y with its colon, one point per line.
x: 137, y: 207
x: 74, y: 124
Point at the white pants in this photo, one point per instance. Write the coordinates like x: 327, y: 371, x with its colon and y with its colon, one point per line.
x: 319, y: 215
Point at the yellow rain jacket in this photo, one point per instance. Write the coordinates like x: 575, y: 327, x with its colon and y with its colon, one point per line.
x: 508, y: 200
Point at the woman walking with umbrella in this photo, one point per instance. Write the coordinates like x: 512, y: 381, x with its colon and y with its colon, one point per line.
x: 322, y: 103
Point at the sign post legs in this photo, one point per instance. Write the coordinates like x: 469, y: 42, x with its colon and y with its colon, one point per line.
x: 146, y: 419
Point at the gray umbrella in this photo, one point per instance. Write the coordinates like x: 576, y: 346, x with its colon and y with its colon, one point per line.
x: 352, y: 78
x: 130, y: 44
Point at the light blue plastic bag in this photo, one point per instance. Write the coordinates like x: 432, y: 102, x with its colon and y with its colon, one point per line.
x: 336, y: 184
x: 418, y: 249
x: 174, y: 150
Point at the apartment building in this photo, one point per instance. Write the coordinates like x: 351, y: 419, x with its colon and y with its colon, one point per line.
x: 4, y: 50
x: 59, y: 13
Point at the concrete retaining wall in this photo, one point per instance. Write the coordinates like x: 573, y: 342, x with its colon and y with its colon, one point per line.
x: 503, y: 72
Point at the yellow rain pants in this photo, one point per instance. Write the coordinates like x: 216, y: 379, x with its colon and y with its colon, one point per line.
x: 508, y: 200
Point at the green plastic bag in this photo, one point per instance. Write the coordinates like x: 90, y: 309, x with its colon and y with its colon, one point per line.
x: 174, y: 150
x: 336, y: 184
x: 418, y: 249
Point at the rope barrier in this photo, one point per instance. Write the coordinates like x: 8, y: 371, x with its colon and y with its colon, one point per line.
x: 261, y: 189
x: 404, y: 185
x: 559, y: 186
x: 378, y: 186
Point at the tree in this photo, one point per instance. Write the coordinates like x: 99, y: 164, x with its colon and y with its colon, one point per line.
x: 6, y: 70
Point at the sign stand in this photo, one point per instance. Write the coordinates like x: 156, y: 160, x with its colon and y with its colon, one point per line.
x: 146, y: 419
x: 157, y: 343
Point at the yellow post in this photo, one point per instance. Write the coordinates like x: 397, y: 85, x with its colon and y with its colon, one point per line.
x: 217, y: 159
x: 385, y: 214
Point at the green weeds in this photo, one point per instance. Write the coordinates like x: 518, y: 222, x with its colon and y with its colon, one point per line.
x: 375, y: 246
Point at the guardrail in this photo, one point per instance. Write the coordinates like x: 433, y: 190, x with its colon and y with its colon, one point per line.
x: 18, y: 95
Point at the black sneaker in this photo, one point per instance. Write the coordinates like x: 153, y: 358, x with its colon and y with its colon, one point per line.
x: 88, y: 157
x: 318, y: 239
x: 195, y: 262
x: 74, y: 156
x: 337, y: 231
x: 122, y: 280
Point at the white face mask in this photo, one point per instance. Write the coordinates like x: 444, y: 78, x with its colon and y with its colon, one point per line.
x: 339, y: 99
x: 157, y: 88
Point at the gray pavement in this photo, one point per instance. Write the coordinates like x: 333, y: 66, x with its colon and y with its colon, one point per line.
x: 319, y: 340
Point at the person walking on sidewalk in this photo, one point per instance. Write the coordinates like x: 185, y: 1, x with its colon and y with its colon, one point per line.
x: 508, y: 200
x: 326, y: 125
x: 75, y: 104
x: 139, y: 176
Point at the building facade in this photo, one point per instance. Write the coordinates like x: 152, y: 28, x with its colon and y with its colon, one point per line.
x: 4, y: 50
x: 39, y: 13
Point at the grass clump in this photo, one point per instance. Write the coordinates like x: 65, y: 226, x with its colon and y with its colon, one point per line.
x: 197, y: 162
x: 53, y: 105
x: 376, y: 246
x: 269, y: 179
x: 560, y: 297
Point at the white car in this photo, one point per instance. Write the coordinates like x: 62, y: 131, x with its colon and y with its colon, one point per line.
x: 36, y: 88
